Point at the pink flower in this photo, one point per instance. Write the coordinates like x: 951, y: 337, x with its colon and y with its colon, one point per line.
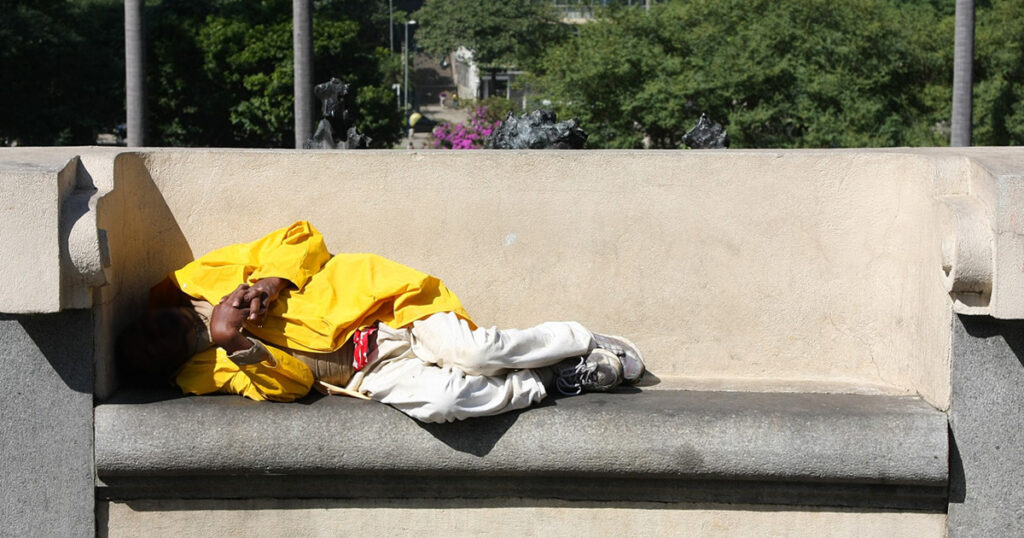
x: 469, y: 135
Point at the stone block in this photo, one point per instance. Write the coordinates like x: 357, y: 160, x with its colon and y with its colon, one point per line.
x: 53, y: 254
x: 986, y: 468
x: 46, y: 409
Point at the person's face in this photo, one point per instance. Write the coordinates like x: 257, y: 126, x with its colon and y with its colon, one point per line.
x: 167, y: 340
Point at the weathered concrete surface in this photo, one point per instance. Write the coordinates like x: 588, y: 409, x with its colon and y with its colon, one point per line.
x: 987, y: 422
x: 46, y: 468
x: 655, y: 435
x: 829, y: 258
x: 30, y: 200
x: 512, y: 517
x: 52, y: 255
x: 832, y: 258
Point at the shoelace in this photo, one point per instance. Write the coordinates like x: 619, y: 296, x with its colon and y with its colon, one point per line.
x: 570, y: 379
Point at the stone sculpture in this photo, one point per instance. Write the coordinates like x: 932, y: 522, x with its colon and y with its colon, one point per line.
x: 537, y: 130
x: 706, y: 135
x: 335, y: 118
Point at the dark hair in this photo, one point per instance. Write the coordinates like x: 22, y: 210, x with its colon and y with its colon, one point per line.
x: 151, y: 349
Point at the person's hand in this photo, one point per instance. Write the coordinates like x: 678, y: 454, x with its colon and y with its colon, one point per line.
x: 258, y: 297
x: 227, y: 319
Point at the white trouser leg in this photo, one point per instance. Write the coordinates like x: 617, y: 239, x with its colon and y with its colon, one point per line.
x: 431, y: 393
x: 446, y: 340
x: 419, y: 371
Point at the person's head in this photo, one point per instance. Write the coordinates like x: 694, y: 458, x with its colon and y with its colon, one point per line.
x: 152, y: 350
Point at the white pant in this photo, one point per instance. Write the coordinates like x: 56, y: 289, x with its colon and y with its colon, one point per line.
x: 440, y: 370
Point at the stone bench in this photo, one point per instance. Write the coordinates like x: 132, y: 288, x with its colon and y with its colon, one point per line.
x: 816, y: 296
x: 637, y: 445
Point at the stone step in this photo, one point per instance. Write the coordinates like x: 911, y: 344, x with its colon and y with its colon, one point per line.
x: 637, y: 445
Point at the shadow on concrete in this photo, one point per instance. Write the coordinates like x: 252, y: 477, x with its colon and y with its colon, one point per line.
x: 146, y: 243
x: 957, y: 480
x: 649, y: 380
x: 145, y: 395
x: 102, y: 520
x: 984, y: 327
x: 460, y: 492
x: 477, y: 436
x: 65, y: 340
x: 987, y: 427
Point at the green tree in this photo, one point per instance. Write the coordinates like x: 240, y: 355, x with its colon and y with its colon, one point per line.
x: 221, y: 70
x: 999, y: 74
x: 500, y: 34
x: 802, y: 73
x: 62, y: 66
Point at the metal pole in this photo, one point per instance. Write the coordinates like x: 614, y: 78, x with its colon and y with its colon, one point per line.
x: 135, y: 73
x: 963, y: 59
x: 405, y: 68
x: 302, y: 39
x: 405, y: 61
x: 391, y: 28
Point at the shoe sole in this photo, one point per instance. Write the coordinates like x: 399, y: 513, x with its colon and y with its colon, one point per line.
x: 640, y: 356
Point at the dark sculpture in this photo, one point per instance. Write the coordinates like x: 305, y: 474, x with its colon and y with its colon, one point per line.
x: 335, y: 118
x: 537, y: 130
x: 706, y: 135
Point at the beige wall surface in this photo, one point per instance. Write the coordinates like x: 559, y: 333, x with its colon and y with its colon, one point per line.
x: 498, y: 517
x: 804, y: 266
x: 805, y: 270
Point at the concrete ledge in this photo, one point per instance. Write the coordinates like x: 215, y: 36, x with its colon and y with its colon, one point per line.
x: 817, y: 449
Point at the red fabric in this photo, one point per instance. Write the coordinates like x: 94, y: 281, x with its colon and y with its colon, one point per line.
x: 361, y: 347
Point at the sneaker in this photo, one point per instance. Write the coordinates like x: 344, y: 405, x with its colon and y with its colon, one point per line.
x: 632, y: 361
x: 598, y: 372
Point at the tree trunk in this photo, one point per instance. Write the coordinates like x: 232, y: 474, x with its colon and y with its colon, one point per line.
x: 302, y: 36
x: 963, y: 66
x: 135, y: 73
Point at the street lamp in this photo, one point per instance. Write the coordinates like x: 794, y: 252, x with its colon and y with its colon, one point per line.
x: 405, y: 64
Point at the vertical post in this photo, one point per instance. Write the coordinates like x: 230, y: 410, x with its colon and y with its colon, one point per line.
x: 405, y: 70
x: 135, y: 73
x: 302, y: 37
x: 963, y: 66
x: 391, y: 27
x: 405, y: 64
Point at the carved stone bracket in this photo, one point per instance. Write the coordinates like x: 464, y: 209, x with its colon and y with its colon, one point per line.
x: 967, y: 252
x: 54, y: 254
x: 982, y: 231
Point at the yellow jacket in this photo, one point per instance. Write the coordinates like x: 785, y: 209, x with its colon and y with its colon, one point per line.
x: 332, y: 298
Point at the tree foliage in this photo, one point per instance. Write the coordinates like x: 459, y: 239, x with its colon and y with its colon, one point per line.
x: 801, y: 73
x: 999, y: 74
x: 499, y: 33
x: 221, y: 71
x: 62, y: 67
